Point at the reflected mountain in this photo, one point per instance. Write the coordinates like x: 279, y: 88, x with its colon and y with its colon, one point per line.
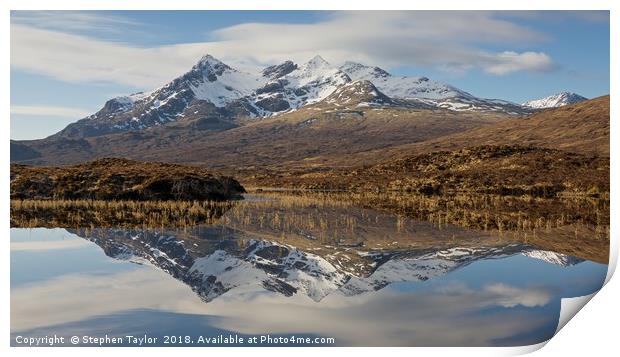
x: 213, y: 260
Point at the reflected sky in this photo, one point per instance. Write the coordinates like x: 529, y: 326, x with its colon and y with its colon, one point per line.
x: 64, y: 284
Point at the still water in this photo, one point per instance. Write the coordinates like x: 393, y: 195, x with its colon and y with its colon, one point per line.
x: 379, y: 284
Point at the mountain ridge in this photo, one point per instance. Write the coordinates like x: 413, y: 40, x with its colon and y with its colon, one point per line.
x: 222, y: 94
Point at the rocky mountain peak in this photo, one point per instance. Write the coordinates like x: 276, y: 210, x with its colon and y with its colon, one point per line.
x: 316, y: 62
x: 360, y: 93
x: 210, y: 67
x: 357, y: 70
x: 214, y: 267
x: 280, y: 70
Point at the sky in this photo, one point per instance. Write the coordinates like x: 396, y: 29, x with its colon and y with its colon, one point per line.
x: 65, y: 65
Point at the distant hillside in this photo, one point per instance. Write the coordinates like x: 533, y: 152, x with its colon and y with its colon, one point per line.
x: 323, y: 131
x: 580, y: 128
x: 120, y: 179
x: 555, y: 150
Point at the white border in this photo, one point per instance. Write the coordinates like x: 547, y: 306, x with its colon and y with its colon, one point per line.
x: 591, y: 331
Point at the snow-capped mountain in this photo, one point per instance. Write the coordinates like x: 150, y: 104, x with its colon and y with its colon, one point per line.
x: 214, y: 94
x: 555, y: 100
x: 219, y: 261
x: 428, y: 91
x: 218, y: 92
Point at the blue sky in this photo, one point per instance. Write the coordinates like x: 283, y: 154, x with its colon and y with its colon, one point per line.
x: 65, y: 65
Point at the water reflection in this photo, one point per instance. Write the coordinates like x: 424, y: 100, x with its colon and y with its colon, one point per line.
x: 214, y: 260
x: 477, y: 290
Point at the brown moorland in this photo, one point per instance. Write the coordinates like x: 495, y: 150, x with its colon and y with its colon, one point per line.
x: 316, y: 135
x: 582, y: 128
x: 504, y: 170
x: 121, y: 179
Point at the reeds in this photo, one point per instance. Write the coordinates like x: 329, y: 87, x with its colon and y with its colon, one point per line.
x: 98, y: 213
x: 327, y: 214
x: 476, y: 211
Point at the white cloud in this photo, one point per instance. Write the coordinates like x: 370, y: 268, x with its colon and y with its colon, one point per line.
x: 507, y: 62
x: 449, y: 40
x: 76, y: 58
x: 74, y: 21
x: 447, y: 316
x: 53, y: 111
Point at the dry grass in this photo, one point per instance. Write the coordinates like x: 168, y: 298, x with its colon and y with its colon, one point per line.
x: 281, y: 210
x: 524, y: 214
x: 581, y: 128
x: 97, y: 213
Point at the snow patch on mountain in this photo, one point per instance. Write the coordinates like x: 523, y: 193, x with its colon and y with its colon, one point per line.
x: 127, y: 102
x: 553, y: 257
x: 290, y: 86
x: 222, y: 272
x: 221, y: 84
x: 271, y: 265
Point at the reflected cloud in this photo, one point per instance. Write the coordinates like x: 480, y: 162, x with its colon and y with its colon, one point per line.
x: 76, y: 297
x: 509, y: 296
x: 450, y: 316
x: 49, y: 245
x: 447, y: 316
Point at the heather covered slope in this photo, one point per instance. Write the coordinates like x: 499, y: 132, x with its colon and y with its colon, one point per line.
x: 121, y: 179
x: 581, y: 127
x: 504, y: 170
